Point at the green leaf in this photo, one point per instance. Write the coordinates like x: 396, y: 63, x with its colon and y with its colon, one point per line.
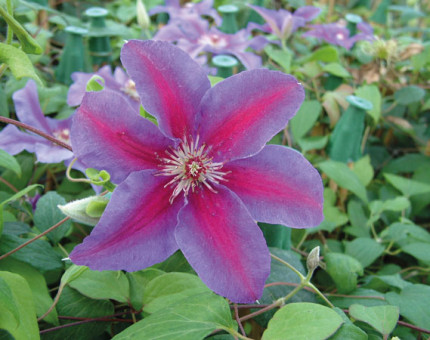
x: 215, y: 80
x: 7, y: 300
x: 281, y: 57
x: 400, y: 231
x: 409, y: 94
x: 193, y: 318
x: 388, y: 281
x: 280, y: 273
x: 333, y: 216
x: 39, y: 254
x: 348, y: 330
x: 4, y: 107
x: 344, y: 177
x: 37, y: 284
x: 9, y: 162
x: 407, y: 187
x: 14, y: 197
x: 364, y: 170
x: 20, y: 193
x: 382, y: 318
x: 305, y: 118
x: 72, y: 273
x: 312, y: 143
x: 346, y: 139
x: 362, y: 296
x: 48, y: 214
x: 408, y: 163
x: 365, y: 250
x: 337, y: 70
x: 72, y: 303
x: 138, y: 282
x: 344, y: 271
x: 29, y: 44
x: 303, y: 321
x: 53, y: 99
x: 327, y: 54
x: 175, y: 263
x: 102, y: 285
x: 26, y: 326
x: 414, y: 302
x: 419, y: 250
x: 372, y: 94
x: 18, y: 62
x: 170, y: 288
x: 396, y: 204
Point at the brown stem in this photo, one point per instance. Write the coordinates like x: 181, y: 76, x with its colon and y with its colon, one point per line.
x: 36, y: 131
x: 236, y: 316
x: 261, y: 311
x: 8, y: 184
x: 416, y: 328
x: 82, y: 322
x: 57, y: 298
x: 35, y: 238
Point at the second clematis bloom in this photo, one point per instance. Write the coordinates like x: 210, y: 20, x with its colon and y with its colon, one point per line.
x: 201, y: 180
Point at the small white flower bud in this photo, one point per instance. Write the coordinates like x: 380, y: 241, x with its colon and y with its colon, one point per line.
x: 142, y: 15
x: 79, y: 210
x: 313, y: 260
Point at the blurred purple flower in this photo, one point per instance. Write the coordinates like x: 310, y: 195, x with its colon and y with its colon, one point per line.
x: 338, y: 34
x: 194, y: 36
x: 189, y: 10
x: 28, y: 111
x: 281, y: 22
x: 119, y: 81
x: 186, y: 184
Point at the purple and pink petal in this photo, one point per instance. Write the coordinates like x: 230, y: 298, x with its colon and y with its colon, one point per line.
x: 224, y: 245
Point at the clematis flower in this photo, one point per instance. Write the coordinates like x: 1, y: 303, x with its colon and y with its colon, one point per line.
x: 28, y: 111
x: 189, y: 10
x: 200, y: 180
x: 194, y: 37
x: 338, y: 33
x: 282, y: 23
x: 119, y: 81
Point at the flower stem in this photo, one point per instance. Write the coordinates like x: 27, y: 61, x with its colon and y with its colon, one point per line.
x: 8, y: 184
x: 36, y: 131
x: 288, y: 265
x: 69, y: 176
x: 35, y: 238
x: 304, y: 282
x: 237, y: 334
x: 57, y: 298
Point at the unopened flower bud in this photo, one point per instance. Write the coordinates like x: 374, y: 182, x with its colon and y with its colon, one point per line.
x: 313, y: 260
x: 142, y: 15
x: 87, y: 210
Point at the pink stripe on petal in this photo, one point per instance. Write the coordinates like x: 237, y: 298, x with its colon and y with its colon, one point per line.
x: 278, y: 185
x: 170, y: 84
x: 240, y: 114
x: 224, y: 244
x: 137, y: 228
x: 108, y: 134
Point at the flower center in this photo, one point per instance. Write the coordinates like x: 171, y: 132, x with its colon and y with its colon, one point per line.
x: 129, y: 89
x: 62, y: 135
x: 213, y: 40
x: 190, y: 166
x: 340, y: 36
